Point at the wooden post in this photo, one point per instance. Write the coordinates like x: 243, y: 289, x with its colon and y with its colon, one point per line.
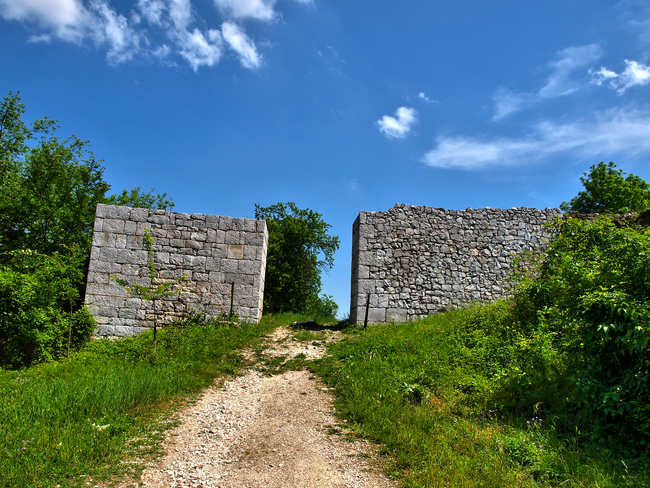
x: 365, y: 322
x: 232, y: 298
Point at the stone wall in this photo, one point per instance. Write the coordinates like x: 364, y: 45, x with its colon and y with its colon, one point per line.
x: 211, y: 251
x: 416, y: 261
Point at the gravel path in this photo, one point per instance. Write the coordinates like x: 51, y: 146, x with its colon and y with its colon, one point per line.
x: 266, y: 431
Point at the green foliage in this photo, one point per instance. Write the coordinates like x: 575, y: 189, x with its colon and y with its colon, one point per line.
x: 299, y: 249
x: 137, y: 198
x: 444, y: 396
x: 156, y: 289
x: 592, y: 293
x: 609, y: 191
x: 49, y: 189
x: 37, y: 320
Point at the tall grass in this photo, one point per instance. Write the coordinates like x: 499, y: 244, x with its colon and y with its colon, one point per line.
x: 443, y: 396
x: 89, y: 418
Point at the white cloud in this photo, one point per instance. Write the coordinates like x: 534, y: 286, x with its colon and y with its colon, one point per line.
x: 571, y: 59
x: 65, y: 18
x: 635, y: 74
x: 114, y: 29
x: 568, y: 75
x: 618, y: 131
x: 422, y: 96
x: 242, y: 45
x: 153, y: 11
x: 180, y: 12
x: 254, y: 9
x: 398, y: 127
x: 153, y: 29
x: 200, y: 50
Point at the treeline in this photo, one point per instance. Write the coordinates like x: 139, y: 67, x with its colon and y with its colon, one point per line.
x: 49, y: 188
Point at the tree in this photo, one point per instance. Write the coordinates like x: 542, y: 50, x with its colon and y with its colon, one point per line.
x: 137, y: 198
x: 49, y: 187
x: 49, y: 190
x: 299, y: 249
x: 156, y: 290
x: 609, y: 191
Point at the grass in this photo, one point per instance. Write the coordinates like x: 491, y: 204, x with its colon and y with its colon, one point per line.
x: 100, y: 414
x: 441, y: 396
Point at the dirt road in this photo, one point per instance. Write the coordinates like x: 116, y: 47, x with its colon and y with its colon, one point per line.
x: 262, y: 430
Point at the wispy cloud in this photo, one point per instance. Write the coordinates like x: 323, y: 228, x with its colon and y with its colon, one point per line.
x: 398, y: 128
x: 568, y: 73
x: 152, y: 10
x: 154, y: 29
x: 241, y: 44
x: 618, y: 131
x: 114, y: 29
x: 508, y: 102
x: 562, y: 80
x: 241, y: 9
x: 635, y: 74
x: 422, y: 96
x: 199, y: 49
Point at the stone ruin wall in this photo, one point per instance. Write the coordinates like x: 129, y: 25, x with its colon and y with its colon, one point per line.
x: 416, y: 261
x: 211, y: 251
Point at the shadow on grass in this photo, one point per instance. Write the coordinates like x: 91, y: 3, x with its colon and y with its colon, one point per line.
x: 314, y: 326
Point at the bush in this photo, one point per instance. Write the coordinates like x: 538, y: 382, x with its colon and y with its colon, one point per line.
x: 38, y: 312
x: 592, y: 294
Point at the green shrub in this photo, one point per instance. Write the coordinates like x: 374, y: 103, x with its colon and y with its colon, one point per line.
x: 592, y: 295
x: 39, y: 311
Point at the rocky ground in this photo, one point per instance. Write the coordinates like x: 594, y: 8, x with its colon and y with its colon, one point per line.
x: 266, y: 430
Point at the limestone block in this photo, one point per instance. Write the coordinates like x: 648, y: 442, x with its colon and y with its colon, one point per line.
x: 161, y: 257
x: 112, y: 212
x: 235, y: 251
x: 235, y: 237
x: 160, y: 219
x: 249, y: 225
x: 104, y: 330
x: 138, y: 214
x: 135, y: 257
x: 212, y: 221
x: 98, y: 225
x: 248, y: 267
x: 215, y: 277
x: 375, y: 315
x: 225, y: 223
x: 130, y: 227
x: 212, y: 264
x: 192, y: 244
x: 229, y: 266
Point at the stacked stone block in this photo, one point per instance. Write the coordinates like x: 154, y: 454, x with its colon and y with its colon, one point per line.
x: 212, y: 252
x: 415, y: 261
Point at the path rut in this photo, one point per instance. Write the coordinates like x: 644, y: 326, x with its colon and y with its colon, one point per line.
x: 266, y: 431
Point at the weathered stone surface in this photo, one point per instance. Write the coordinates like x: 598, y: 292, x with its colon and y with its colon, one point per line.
x: 416, y: 261
x: 211, y: 251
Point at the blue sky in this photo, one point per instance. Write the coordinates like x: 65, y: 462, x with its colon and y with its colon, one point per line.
x: 339, y: 106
